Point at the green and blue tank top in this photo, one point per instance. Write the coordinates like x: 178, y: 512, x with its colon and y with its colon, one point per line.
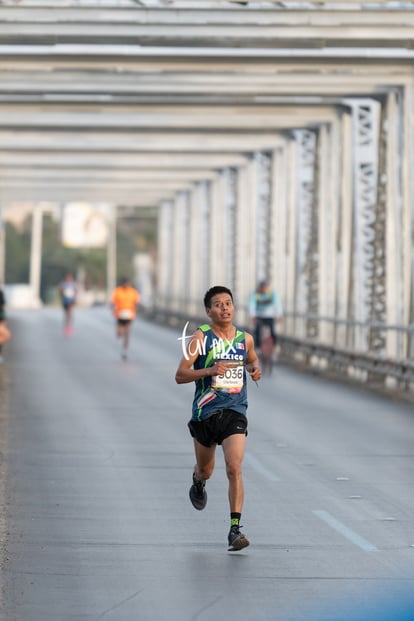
x: 226, y: 391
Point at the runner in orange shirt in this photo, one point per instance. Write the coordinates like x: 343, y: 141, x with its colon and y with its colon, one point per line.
x: 125, y: 301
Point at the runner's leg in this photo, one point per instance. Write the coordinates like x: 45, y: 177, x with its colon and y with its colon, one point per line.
x: 233, y: 449
x: 205, y: 460
x: 127, y: 329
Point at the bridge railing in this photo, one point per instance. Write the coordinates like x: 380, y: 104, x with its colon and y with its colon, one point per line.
x: 367, y: 365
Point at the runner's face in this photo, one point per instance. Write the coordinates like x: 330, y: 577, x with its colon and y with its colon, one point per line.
x: 221, y: 309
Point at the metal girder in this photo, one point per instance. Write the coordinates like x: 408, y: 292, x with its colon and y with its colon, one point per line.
x: 377, y: 285
x: 216, y: 4
x: 131, y: 53
x: 248, y: 138
x: 366, y: 125
x: 202, y: 208
x: 165, y: 267
x: 197, y: 27
x: 197, y: 142
x: 98, y: 71
x: 137, y: 177
x: 131, y: 161
x: 307, y: 254
x: 169, y: 119
x: 94, y: 91
x: 263, y: 215
x: 106, y: 87
x: 230, y: 213
x: 43, y: 118
x: 63, y: 194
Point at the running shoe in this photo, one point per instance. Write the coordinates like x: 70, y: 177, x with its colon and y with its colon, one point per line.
x: 237, y: 541
x: 198, y: 494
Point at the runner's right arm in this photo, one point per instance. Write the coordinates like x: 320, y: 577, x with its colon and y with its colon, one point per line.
x: 186, y: 373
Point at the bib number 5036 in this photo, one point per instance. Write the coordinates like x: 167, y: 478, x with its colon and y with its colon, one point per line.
x: 232, y: 378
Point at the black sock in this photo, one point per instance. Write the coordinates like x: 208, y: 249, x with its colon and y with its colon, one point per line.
x: 197, y: 481
x: 235, y: 519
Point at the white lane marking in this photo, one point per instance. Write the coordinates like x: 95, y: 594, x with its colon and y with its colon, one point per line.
x: 260, y: 468
x: 348, y: 533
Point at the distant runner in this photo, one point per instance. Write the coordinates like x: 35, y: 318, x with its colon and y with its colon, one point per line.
x: 5, y: 334
x: 68, y: 292
x: 125, y: 301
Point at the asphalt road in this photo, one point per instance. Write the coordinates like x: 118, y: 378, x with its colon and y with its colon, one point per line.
x: 96, y: 463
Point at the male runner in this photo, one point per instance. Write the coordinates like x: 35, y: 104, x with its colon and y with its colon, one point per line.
x: 216, y: 359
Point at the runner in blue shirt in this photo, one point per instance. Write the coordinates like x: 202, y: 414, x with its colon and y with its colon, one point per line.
x: 265, y: 308
x: 68, y: 292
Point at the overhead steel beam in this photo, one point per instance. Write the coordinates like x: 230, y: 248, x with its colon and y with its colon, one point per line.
x: 53, y: 129
x: 260, y: 118
x: 196, y: 27
x: 63, y: 194
x: 195, y: 142
x: 29, y: 175
x: 131, y: 52
x: 130, y: 161
x: 217, y: 4
x: 102, y: 88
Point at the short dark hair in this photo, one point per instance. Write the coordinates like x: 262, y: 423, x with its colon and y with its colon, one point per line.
x: 215, y: 291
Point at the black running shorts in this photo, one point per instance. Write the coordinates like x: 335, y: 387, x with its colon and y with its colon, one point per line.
x: 218, y: 427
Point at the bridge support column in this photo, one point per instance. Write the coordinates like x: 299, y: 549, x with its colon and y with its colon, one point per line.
x: 217, y: 232
x: 365, y: 143
x: 263, y: 216
x: 303, y: 230
x: 345, y: 234
x: 229, y: 220
x: 408, y: 215
x: 222, y: 227
x: 290, y: 232
x: 394, y: 226
x: 36, y: 254
x: 180, y: 249
x: 198, y: 269
x: 245, y: 272
x: 165, y: 257
x: 111, y: 262
x: 278, y: 223
x: 328, y: 228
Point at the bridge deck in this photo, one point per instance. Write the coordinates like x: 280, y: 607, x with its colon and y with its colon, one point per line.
x: 96, y: 463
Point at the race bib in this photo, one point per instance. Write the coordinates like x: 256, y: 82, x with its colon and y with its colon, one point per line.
x: 125, y: 314
x: 232, y: 380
